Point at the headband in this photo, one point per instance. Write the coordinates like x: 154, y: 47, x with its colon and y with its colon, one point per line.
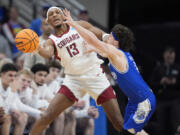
x: 53, y: 8
x: 114, y: 36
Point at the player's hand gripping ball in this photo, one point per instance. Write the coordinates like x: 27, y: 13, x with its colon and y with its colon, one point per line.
x: 27, y: 41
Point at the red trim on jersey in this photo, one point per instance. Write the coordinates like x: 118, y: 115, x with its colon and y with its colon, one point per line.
x: 57, y: 57
x: 102, y: 68
x: 106, y: 95
x: 66, y: 91
x: 63, y: 33
x: 11, y: 29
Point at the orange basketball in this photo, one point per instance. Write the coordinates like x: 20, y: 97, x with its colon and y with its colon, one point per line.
x: 27, y: 40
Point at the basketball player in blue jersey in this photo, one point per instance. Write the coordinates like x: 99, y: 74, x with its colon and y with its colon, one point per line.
x: 141, y: 100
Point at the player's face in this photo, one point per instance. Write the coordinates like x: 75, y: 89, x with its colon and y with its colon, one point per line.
x: 24, y: 82
x: 55, y: 17
x: 8, y: 77
x: 112, y: 41
x: 40, y: 77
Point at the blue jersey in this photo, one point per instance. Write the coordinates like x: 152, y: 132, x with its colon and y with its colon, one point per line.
x: 131, y: 82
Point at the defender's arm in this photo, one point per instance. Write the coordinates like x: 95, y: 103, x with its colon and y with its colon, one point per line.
x: 98, y: 32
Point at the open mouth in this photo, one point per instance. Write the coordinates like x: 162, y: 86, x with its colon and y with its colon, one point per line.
x: 56, y: 20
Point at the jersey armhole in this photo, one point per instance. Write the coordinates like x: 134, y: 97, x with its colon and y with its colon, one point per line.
x: 55, y: 50
x: 126, y: 65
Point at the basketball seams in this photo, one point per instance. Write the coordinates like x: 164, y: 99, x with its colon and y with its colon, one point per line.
x: 24, y: 44
x: 29, y: 47
x: 28, y: 34
x: 31, y: 40
x: 21, y: 38
x: 34, y: 37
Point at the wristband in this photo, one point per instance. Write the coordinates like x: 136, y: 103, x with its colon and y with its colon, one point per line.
x: 104, y: 36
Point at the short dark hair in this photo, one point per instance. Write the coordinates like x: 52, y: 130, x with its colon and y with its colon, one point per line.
x: 55, y: 64
x: 39, y: 67
x: 9, y: 67
x: 125, y: 37
x: 169, y: 49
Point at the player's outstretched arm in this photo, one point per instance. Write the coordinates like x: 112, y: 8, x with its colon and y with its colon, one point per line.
x: 98, y: 32
x: 86, y: 34
x: 47, y: 49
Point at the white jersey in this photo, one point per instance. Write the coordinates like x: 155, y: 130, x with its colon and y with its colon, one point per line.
x: 70, y: 50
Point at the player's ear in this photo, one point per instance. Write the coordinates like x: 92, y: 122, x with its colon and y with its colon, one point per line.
x: 47, y: 20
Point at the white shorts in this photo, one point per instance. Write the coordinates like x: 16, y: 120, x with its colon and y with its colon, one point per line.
x: 94, y: 83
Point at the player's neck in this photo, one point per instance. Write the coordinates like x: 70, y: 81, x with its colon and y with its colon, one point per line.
x: 62, y: 29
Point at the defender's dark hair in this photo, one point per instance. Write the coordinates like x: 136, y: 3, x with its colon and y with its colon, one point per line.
x: 39, y: 67
x: 55, y: 64
x: 9, y: 67
x: 125, y: 37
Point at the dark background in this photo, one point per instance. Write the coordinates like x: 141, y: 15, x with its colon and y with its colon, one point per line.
x: 155, y: 23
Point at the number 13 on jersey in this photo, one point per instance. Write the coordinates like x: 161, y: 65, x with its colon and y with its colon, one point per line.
x: 72, y: 50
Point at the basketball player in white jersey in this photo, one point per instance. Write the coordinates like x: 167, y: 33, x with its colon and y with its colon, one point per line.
x: 83, y: 72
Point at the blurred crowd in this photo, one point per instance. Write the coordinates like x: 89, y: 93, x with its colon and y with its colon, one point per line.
x: 29, y: 82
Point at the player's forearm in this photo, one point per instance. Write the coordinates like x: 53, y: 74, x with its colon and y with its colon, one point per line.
x: 46, y: 51
x: 87, y: 35
x: 98, y: 32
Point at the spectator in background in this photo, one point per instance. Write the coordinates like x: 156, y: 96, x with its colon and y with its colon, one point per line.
x: 4, y: 45
x: 30, y: 59
x: 11, y: 28
x: 83, y: 15
x: 165, y: 81
x: 85, y: 115
x: 40, y: 73
x: 52, y: 77
x: 8, y: 74
x: 36, y: 23
x: 18, y: 110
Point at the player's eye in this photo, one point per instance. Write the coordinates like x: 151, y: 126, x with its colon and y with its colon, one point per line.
x: 50, y: 13
x: 57, y: 12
